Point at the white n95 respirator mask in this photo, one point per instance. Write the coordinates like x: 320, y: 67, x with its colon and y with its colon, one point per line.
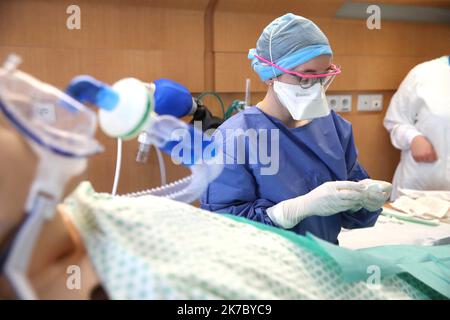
x: 302, y: 104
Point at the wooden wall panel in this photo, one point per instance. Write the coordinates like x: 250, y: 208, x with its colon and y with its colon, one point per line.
x: 317, y: 8
x: 371, y: 59
x: 110, y: 24
x: 322, y: 8
x: 346, y: 36
x: 58, y: 65
x: 116, y: 40
x: 424, y: 3
x: 139, y: 38
x: 351, y: 37
x: 209, y: 46
x: 373, y: 72
x: 238, y: 31
x: 231, y: 70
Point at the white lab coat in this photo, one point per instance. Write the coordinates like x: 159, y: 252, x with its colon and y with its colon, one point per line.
x: 421, y: 106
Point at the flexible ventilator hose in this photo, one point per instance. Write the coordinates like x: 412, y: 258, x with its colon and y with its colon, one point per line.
x: 162, y: 167
x: 187, y: 189
x: 118, y: 167
x: 203, y: 169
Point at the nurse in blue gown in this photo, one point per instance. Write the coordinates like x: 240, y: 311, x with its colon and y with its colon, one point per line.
x: 312, y: 186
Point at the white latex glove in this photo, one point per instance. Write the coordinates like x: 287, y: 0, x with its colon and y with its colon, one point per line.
x: 376, y: 194
x: 325, y: 200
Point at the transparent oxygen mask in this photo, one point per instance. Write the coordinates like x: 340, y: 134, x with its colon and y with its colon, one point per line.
x: 46, y: 115
x: 60, y: 131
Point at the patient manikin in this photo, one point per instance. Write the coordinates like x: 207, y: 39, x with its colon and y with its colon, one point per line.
x: 54, y: 251
x: 157, y: 248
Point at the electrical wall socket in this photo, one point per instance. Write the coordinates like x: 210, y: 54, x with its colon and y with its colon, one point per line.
x: 377, y: 102
x: 370, y: 102
x: 340, y: 102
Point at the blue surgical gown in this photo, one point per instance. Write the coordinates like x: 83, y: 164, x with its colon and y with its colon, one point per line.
x: 321, y: 151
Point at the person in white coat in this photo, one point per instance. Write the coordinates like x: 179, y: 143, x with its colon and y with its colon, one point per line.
x: 418, y: 120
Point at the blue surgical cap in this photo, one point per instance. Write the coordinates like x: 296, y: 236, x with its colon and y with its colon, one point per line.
x: 288, y: 42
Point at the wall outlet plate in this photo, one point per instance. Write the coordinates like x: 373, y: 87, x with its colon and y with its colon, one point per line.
x: 370, y: 102
x: 377, y: 102
x: 340, y: 102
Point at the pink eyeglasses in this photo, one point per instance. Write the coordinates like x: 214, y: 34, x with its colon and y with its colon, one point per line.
x: 307, y: 80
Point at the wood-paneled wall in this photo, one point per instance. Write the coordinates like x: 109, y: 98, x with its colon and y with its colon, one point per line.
x: 203, y: 44
x: 370, y: 59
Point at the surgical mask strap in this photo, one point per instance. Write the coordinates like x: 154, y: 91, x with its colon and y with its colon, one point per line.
x: 270, y: 45
x: 270, y: 53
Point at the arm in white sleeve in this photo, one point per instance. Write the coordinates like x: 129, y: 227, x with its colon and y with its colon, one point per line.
x: 402, y: 113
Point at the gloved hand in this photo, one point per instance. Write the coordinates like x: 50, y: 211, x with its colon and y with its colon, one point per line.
x: 376, y: 194
x: 325, y: 200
